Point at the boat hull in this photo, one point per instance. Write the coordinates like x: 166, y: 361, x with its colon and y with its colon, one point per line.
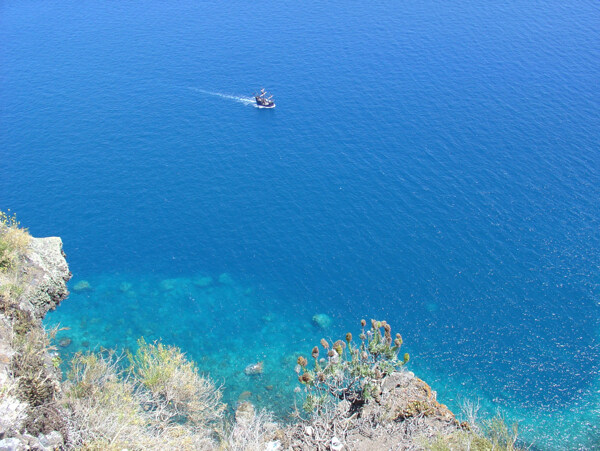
x: 264, y: 103
x: 263, y: 100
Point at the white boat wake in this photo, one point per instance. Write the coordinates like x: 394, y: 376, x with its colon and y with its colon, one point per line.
x: 244, y: 100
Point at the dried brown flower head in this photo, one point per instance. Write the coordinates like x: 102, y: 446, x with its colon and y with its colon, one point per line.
x: 315, y: 353
x: 302, y: 361
x: 348, y: 337
x: 306, y: 378
x: 363, y: 323
x: 324, y: 343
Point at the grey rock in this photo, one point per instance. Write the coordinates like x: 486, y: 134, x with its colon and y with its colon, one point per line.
x: 48, y: 273
x: 322, y: 320
x: 52, y: 441
x: 44, y: 273
x: 29, y: 440
x: 12, y: 444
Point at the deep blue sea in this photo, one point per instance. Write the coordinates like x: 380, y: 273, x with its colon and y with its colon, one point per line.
x: 434, y: 164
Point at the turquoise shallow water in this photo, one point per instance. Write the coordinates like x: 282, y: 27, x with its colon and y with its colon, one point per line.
x: 434, y: 165
x: 221, y: 323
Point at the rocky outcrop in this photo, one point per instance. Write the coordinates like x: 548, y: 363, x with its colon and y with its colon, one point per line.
x: 47, y: 273
x: 29, y: 380
x: 404, y: 415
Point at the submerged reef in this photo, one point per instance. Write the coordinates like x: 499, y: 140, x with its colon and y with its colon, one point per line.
x: 322, y: 320
x: 355, y: 395
x: 82, y: 285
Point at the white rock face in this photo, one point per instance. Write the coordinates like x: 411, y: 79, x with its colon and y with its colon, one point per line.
x: 48, y: 273
x: 336, y: 445
x: 12, y: 411
x: 43, y: 276
x: 273, y: 446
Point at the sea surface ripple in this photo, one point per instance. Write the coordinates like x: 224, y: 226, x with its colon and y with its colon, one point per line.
x: 433, y: 164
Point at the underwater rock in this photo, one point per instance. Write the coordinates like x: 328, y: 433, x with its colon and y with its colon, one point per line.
x: 125, y: 287
x: 203, y: 282
x: 244, y: 396
x: 64, y: 342
x: 268, y: 318
x: 226, y: 279
x: 254, y: 368
x: 176, y: 285
x: 322, y: 320
x: 82, y: 285
x: 167, y: 284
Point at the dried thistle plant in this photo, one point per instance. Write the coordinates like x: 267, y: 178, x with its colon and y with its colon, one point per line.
x: 352, y: 372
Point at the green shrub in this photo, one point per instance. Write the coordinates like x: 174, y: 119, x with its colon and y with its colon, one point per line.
x: 175, y: 385
x: 491, y: 435
x: 351, y: 372
x: 501, y: 435
x: 10, y: 292
x: 13, y: 241
x: 29, y: 367
x: 158, y: 401
x: 105, y: 412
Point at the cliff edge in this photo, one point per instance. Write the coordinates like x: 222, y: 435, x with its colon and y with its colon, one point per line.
x: 33, y: 278
x: 164, y: 402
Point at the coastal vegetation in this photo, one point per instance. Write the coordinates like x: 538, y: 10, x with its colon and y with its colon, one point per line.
x: 29, y: 376
x: 349, y: 371
x: 352, y: 393
x: 156, y: 398
x: 153, y: 399
x: 13, y: 244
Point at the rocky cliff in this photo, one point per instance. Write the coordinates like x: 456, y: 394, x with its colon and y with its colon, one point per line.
x: 29, y: 378
x: 403, y: 413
